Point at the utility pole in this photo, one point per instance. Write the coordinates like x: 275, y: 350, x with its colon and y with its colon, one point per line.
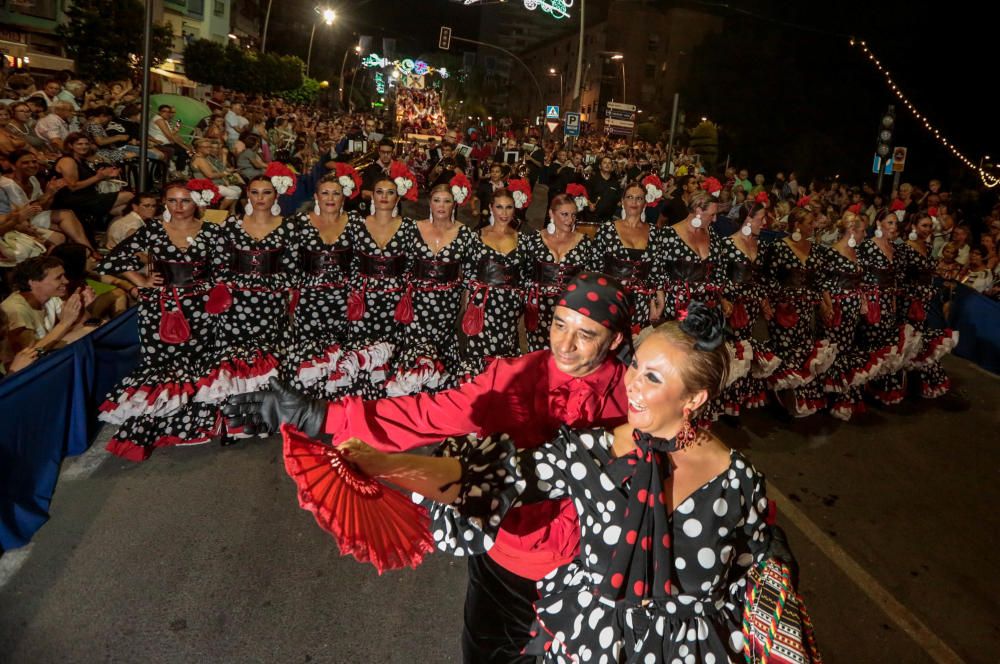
x: 577, y: 100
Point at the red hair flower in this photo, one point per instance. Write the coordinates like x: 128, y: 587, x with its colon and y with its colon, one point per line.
x: 521, y: 190
x: 762, y: 198
x: 282, y: 177
x: 803, y: 202
x: 654, y: 189
x: 897, y: 204
x: 712, y: 186
x: 854, y: 209
x: 405, y: 180
x: 579, y: 194
x: 460, y: 188
x: 349, y: 179
x: 203, y: 192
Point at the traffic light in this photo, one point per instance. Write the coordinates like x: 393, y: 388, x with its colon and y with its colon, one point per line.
x: 444, y: 38
x: 883, y: 148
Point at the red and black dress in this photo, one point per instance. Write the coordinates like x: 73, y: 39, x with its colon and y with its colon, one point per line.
x: 547, y: 277
x: 154, y: 405
x: 633, y: 267
x: 683, y: 274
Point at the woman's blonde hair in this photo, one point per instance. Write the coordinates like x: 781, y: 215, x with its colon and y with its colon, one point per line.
x: 704, y: 370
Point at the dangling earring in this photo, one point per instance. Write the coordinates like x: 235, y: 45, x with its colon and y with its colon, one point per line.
x: 851, y: 242
x: 687, y: 434
x: 493, y: 220
x: 275, y: 209
x: 913, y: 236
x: 249, y: 209
x: 746, y: 230
x: 550, y: 228
x: 879, y: 233
x: 623, y: 213
x: 316, y: 209
x: 166, y: 216
x: 372, y: 206
x: 696, y: 222
x: 796, y: 236
x: 395, y: 211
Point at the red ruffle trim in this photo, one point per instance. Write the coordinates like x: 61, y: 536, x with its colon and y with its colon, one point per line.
x: 232, y: 376
x: 143, y: 401
x: 935, y: 391
x: 845, y: 409
x: 814, y: 364
x: 937, y: 348
x: 889, y: 397
x: 126, y: 449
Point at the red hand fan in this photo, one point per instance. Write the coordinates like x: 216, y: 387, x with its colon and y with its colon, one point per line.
x: 370, y: 521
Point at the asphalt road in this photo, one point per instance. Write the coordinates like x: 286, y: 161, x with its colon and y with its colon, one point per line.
x: 201, y: 554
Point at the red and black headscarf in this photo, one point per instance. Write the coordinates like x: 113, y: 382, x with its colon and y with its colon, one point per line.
x: 600, y: 298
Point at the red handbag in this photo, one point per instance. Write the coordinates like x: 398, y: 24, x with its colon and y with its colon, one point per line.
x: 916, y: 312
x: 738, y: 318
x: 404, y: 308
x: 874, y: 314
x: 174, y: 328
x: 786, y: 315
x: 219, y: 299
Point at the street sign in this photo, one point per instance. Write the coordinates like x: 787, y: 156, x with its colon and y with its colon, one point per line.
x: 552, y: 113
x: 624, y: 124
x: 875, y: 165
x: 618, y: 114
x: 552, y: 125
x: 886, y: 165
x: 898, y: 159
x: 572, y: 126
x: 444, y: 38
x: 621, y: 107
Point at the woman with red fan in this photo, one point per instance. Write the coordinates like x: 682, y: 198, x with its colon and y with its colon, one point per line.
x: 672, y: 521
x: 553, y: 256
x: 790, y: 268
x: 380, y: 302
x: 622, y: 247
x: 169, y: 260
x: 747, y: 301
x: 319, y: 363
x: 256, y: 262
x: 496, y: 293
x: 429, y: 358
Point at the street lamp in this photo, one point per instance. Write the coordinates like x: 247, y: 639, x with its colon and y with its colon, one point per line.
x: 553, y: 72
x: 619, y: 56
x: 328, y: 17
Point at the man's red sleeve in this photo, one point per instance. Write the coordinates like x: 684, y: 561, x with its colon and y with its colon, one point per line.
x: 402, y: 423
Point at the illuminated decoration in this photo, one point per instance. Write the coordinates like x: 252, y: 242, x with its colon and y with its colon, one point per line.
x: 554, y: 8
x: 988, y: 180
x: 405, y: 67
x: 379, y: 83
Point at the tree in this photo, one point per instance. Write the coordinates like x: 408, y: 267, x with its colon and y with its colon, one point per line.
x: 305, y: 93
x: 104, y: 37
x: 202, y: 59
x: 235, y: 68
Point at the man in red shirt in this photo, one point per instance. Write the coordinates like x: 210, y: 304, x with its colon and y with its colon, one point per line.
x: 578, y: 383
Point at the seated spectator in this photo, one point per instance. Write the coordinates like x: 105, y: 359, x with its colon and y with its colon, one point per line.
x: 39, y: 313
x: 54, y: 127
x: 235, y: 124
x: 80, y: 193
x: 143, y: 208
x: 128, y: 122
x: 21, y: 86
x: 248, y: 162
x: 8, y: 141
x: 111, y: 294
x: 948, y: 267
x: 22, y: 192
x: 978, y: 275
x: 207, y: 164
x: 110, y: 149
x: 960, y: 237
x: 164, y: 134
x: 21, y: 126
x: 16, y: 246
x: 9, y: 362
x: 50, y: 93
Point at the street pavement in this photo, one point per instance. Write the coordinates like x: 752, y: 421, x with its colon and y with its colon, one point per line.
x: 201, y: 554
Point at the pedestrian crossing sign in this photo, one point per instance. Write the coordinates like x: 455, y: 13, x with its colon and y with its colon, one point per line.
x: 551, y: 112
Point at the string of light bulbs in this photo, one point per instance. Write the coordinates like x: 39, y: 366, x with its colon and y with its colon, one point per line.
x: 988, y: 180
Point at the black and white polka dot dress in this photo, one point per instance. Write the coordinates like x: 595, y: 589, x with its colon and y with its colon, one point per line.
x: 318, y: 362
x: 153, y: 405
x: 611, y: 255
x: 918, y: 294
x: 794, y: 296
x: 541, y: 297
x: 377, y: 333
x: 673, y: 256
x: 501, y: 305
x: 251, y: 333
x: 718, y: 534
x: 430, y: 358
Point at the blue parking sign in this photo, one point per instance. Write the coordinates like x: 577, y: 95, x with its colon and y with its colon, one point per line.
x: 571, y: 125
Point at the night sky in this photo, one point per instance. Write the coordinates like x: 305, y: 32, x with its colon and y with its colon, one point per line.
x: 795, y: 50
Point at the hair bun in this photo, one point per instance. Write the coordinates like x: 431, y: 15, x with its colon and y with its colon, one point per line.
x: 706, y: 324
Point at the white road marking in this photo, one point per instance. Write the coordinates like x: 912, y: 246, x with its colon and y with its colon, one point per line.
x: 12, y: 561
x: 83, y: 466
x: 930, y: 642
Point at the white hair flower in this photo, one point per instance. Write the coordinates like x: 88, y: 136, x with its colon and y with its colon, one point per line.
x: 347, y: 184
x: 403, y: 185
x: 282, y: 183
x: 460, y: 193
x: 520, y: 198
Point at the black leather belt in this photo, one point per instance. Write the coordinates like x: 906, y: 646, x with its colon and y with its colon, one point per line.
x: 922, y: 277
x: 178, y: 273
x: 382, y: 267
x: 690, y: 271
x: 492, y: 272
x: 555, y: 274
x: 625, y: 270
x: 740, y: 273
x: 322, y: 262
x: 265, y: 262
x: 847, y: 280
x: 883, y: 278
x: 443, y: 272
x: 794, y: 277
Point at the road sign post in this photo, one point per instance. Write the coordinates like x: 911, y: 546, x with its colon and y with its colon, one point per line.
x: 571, y: 126
x: 552, y: 113
x: 444, y: 38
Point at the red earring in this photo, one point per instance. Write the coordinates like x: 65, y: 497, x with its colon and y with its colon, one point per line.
x: 687, y: 434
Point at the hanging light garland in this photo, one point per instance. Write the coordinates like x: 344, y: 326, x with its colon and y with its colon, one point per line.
x: 988, y: 180
x: 406, y: 66
x: 558, y: 9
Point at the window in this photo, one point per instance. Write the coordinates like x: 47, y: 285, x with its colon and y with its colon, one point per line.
x: 219, y: 8
x: 196, y: 7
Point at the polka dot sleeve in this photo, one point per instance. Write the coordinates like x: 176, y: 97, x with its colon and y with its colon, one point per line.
x: 496, y: 477
x: 751, y: 548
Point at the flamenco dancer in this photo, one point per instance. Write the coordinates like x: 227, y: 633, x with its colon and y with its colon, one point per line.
x: 577, y: 383
x: 170, y: 262
x: 917, y: 293
x: 441, y: 256
x: 622, y: 247
x: 495, y: 292
x: 553, y: 256
x: 257, y: 261
x: 885, y: 336
x: 656, y: 580
x: 319, y: 363
x: 790, y: 267
x: 745, y: 298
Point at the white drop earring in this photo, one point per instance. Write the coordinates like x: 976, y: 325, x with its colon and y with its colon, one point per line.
x: 275, y: 209
x: 796, y: 236
x: 372, y: 207
x: 550, y: 228
x: 395, y: 211
x: 851, y: 242
x: 912, y: 236
x: 623, y: 212
x: 316, y: 209
x: 746, y: 230
x: 696, y: 222
x: 248, y: 209
x: 493, y: 220
x: 878, y: 233
x: 166, y: 216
